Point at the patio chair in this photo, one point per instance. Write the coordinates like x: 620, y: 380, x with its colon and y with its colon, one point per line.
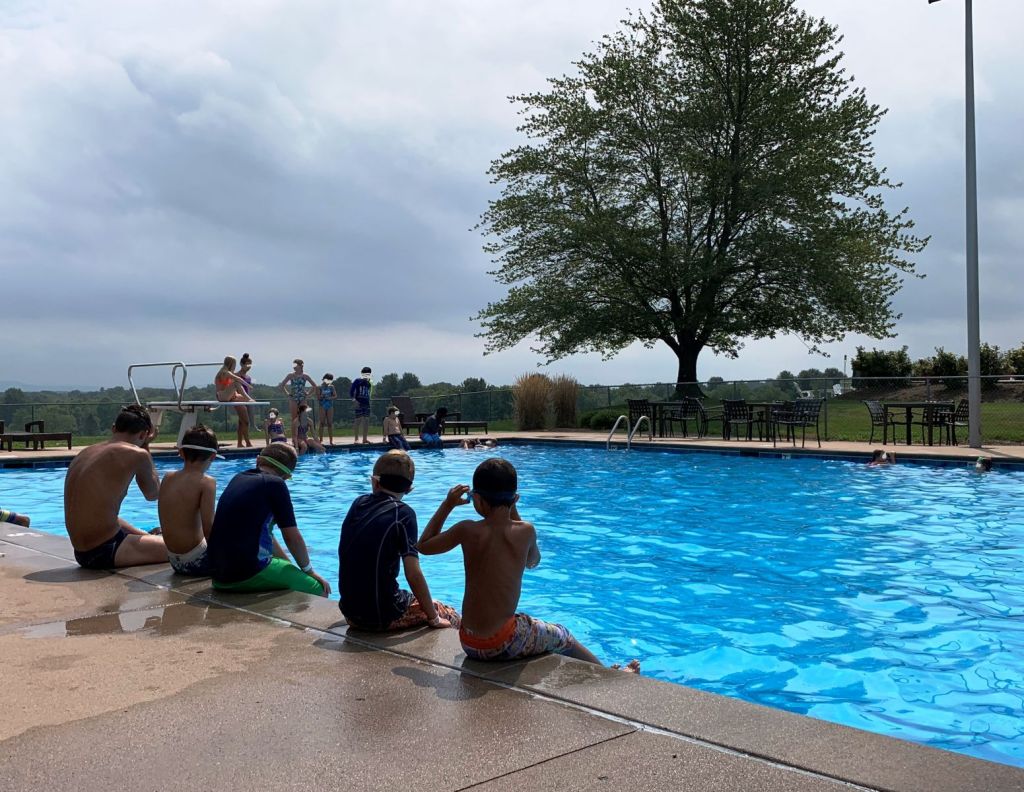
x: 686, y: 412
x: 878, y: 418
x: 637, y: 409
x: 705, y: 415
x: 932, y: 417
x: 959, y: 417
x: 736, y: 412
x: 804, y: 414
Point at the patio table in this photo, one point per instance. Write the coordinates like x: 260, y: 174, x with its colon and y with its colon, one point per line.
x: 909, y: 407
x: 660, y: 411
x: 764, y: 414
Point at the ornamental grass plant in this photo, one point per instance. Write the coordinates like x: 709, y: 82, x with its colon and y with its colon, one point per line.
x: 531, y: 394
x: 565, y: 392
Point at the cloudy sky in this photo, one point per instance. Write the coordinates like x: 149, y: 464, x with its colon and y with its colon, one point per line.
x: 189, y: 179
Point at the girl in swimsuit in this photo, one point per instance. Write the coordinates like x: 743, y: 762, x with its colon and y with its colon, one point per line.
x: 305, y: 437
x: 244, y: 365
x: 230, y: 388
x: 294, y: 384
x: 274, y: 428
x: 327, y: 395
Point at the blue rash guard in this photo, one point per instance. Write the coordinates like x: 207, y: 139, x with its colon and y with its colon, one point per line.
x: 240, y: 543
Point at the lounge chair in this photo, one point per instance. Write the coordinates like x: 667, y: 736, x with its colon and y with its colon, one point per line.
x: 35, y: 433
x: 407, y: 413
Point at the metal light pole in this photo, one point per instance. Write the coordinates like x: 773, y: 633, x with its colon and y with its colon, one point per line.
x: 973, y: 325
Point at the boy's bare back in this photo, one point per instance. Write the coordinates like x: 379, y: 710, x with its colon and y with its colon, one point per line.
x: 496, y: 552
x: 96, y: 483
x: 186, y: 507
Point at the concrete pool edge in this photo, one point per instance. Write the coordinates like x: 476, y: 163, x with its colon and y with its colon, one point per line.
x: 1004, y: 456
x: 729, y: 725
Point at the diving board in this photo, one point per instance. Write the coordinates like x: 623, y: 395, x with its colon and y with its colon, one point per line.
x: 190, y: 409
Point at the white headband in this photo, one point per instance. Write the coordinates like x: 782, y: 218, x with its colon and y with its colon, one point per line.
x: 201, y: 448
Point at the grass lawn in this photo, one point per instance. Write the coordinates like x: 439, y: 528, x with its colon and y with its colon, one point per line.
x: 1002, y: 422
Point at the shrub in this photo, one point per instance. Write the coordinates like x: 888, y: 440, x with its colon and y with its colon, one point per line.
x: 530, y: 396
x: 564, y: 396
x: 879, y: 363
x: 603, y: 418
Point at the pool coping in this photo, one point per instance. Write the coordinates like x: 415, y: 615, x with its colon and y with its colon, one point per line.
x: 731, y: 726
x: 1003, y: 457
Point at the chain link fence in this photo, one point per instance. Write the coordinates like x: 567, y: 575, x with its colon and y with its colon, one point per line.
x: 844, y: 415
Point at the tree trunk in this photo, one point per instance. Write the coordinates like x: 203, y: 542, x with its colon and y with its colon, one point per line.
x: 686, y: 377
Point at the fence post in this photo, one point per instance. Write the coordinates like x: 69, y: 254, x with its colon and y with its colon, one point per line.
x: 489, y: 419
x: 826, y: 416
x: 928, y: 388
x: 609, y: 390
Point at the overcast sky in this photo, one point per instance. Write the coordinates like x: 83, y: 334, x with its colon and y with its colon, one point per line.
x: 189, y: 179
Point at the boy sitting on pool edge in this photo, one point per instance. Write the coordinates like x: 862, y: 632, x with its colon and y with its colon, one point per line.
x: 186, y: 503
x: 379, y: 531
x: 496, y: 551
x: 243, y: 552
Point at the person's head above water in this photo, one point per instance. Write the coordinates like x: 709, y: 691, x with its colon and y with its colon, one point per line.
x: 983, y: 465
x: 495, y: 482
x: 394, y: 472
x: 196, y: 439
x: 133, y: 420
x: 279, y: 459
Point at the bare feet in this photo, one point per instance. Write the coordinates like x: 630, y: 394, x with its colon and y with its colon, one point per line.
x: 632, y: 667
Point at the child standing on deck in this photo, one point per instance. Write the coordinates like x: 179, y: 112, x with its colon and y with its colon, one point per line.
x: 360, y: 393
x: 378, y: 532
x: 496, y: 550
x: 186, y: 503
x: 392, y: 430
x: 243, y: 552
x: 328, y: 393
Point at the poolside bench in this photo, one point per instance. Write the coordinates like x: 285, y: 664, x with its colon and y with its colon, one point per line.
x: 464, y: 427
x: 35, y: 434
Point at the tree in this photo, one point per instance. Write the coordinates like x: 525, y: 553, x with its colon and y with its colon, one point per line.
x: 706, y: 177
x: 473, y: 385
x: 407, y: 382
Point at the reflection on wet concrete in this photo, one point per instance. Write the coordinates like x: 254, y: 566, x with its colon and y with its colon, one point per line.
x: 163, y: 621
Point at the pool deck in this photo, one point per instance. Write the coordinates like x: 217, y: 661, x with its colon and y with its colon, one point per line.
x: 146, y: 679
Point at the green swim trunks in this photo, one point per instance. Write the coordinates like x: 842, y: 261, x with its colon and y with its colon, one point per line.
x: 278, y: 575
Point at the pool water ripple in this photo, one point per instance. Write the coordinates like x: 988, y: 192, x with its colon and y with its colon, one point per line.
x: 886, y: 599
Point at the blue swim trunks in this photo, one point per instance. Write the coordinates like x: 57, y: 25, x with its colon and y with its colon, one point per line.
x: 431, y: 440
x: 362, y: 411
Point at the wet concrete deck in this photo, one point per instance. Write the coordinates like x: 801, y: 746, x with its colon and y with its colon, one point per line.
x: 148, y: 680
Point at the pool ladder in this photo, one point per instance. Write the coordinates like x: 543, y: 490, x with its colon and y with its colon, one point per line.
x: 629, y: 432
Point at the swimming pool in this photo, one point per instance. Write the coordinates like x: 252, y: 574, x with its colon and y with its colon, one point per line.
x: 888, y: 599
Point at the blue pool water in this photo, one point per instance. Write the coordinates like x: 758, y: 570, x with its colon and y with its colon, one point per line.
x: 888, y: 599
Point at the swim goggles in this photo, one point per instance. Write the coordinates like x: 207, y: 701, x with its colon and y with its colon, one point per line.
x: 274, y: 463
x: 495, y: 498
x: 191, y: 447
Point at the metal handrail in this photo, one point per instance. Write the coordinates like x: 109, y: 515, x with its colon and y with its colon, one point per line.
x: 650, y: 429
x: 174, y: 364
x: 184, y: 376
x: 620, y: 419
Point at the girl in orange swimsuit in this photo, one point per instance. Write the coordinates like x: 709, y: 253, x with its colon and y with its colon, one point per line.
x: 231, y: 388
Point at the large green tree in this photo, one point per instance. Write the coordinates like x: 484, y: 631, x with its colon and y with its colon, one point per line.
x: 706, y: 176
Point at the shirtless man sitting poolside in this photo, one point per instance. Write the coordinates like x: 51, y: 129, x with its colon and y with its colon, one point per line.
x: 97, y: 481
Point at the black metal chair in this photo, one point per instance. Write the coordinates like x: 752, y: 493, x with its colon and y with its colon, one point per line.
x: 736, y: 413
x: 686, y: 412
x: 959, y: 417
x: 878, y: 418
x: 932, y: 417
x: 804, y: 414
x: 637, y: 409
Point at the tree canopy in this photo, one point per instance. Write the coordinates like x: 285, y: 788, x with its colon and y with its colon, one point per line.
x: 706, y: 176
